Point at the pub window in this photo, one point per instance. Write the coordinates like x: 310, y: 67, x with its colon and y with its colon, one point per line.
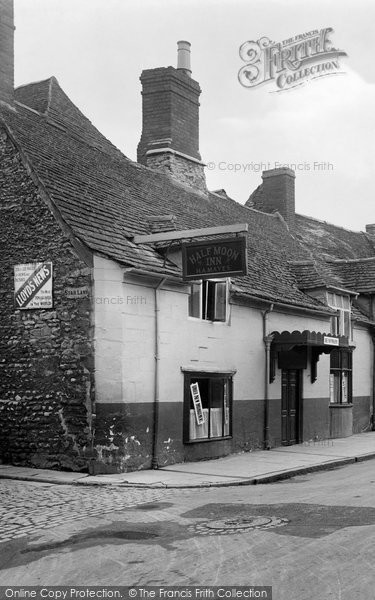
x: 340, y: 324
x: 208, y: 407
x: 340, y: 379
x: 208, y: 300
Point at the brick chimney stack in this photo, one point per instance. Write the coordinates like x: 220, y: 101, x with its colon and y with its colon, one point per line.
x: 170, y: 121
x: 370, y: 229
x: 279, y: 193
x: 6, y: 52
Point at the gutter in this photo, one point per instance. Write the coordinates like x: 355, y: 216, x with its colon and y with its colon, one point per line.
x: 267, y: 339
x: 152, y: 275
x: 284, y: 306
x: 155, y: 435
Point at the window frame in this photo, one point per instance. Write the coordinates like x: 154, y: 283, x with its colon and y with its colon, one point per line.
x: 191, y: 376
x: 339, y: 323
x: 206, y: 312
x: 340, y: 370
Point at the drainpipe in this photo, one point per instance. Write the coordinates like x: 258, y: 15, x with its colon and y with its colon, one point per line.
x: 155, y: 436
x: 267, y: 339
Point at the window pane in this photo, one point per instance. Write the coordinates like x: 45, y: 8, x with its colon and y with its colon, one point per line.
x: 339, y: 301
x: 209, y: 299
x: 346, y: 302
x: 220, y: 301
x: 195, y: 300
x: 335, y: 359
x: 334, y: 388
x: 330, y: 299
x: 226, y: 408
x: 334, y: 325
x: 344, y: 360
x: 344, y: 387
x: 216, y: 413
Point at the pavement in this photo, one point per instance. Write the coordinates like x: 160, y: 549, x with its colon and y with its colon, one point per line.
x: 247, y: 468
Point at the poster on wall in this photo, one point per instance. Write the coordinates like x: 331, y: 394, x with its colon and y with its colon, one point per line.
x: 195, y: 394
x: 33, y: 286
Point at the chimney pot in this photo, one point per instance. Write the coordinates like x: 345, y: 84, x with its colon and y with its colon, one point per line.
x: 183, y: 57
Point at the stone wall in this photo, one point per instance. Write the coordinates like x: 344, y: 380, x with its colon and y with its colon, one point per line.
x: 180, y: 168
x: 46, y: 356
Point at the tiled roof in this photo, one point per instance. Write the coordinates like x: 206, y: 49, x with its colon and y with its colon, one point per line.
x: 342, y: 258
x: 356, y: 274
x: 307, y: 274
x: 326, y: 240
x: 359, y: 315
x: 106, y: 198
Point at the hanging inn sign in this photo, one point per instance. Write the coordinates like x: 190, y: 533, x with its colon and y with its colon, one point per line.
x: 211, y: 258
x: 214, y: 258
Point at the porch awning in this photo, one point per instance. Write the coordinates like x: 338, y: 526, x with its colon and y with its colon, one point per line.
x: 326, y: 342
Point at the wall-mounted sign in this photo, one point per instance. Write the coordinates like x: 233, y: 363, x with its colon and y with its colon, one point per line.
x: 195, y: 394
x: 214, y: 258
x: 331, y: 341
x: 33, y: 285
x: 78, y: 292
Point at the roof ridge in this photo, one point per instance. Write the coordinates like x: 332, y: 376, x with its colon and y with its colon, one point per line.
x: 35, y: 82
x: 302, y: 262
x: 329, y: 223
x: 350, y: 260
x: 261, y: 212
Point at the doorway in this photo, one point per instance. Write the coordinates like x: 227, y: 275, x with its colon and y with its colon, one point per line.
x: 290, y: 406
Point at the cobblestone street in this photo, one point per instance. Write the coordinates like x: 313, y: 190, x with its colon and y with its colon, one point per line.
x: 27, y: 508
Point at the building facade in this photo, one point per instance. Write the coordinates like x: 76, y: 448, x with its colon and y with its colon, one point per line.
x: 110, y: 360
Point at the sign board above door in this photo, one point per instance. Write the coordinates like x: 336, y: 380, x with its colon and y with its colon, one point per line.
x: 214, y: 258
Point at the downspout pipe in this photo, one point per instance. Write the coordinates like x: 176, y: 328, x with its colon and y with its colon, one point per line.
x: 267, y: 339
x: 155, y: 435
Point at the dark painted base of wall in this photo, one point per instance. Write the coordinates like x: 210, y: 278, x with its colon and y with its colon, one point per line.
x: 315, y: 419
x: 124, y: 433
x: 362, y: 420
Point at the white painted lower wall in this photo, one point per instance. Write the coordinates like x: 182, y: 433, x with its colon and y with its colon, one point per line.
x: 363, y: 360
x: 125, y: 344
x: 125, y: 337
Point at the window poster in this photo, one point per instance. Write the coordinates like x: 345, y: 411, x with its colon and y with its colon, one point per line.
x: 197, y: 402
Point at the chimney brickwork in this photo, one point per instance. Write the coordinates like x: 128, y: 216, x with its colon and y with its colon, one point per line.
x: 370, y: 229
x: 170, y: 123
x: 279, y: 193
x: 6, y: 52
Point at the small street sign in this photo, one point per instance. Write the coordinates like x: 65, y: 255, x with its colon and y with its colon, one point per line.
x: 331, y: 341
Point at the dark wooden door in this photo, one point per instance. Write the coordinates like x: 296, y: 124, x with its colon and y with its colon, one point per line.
x: 290, y: 404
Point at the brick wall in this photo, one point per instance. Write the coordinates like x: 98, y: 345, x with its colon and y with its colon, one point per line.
x: 279, y: 193
x: 46, y: 359
x: 170, y: 112
x: 6, y: 51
